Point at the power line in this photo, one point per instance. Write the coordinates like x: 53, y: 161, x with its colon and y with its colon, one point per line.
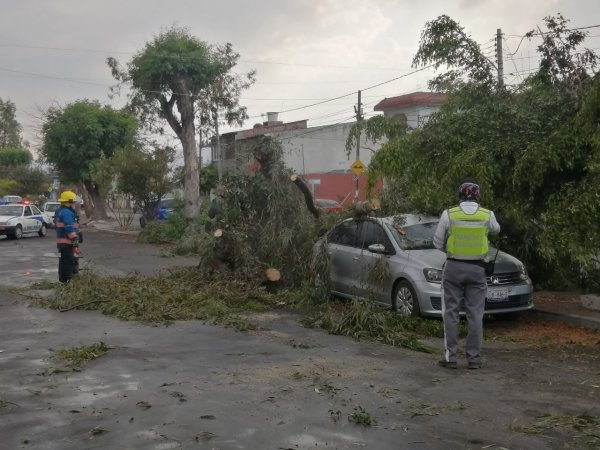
x: 354, y: 92
x: 245, y: 61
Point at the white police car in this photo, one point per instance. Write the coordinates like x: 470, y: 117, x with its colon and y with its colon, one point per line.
x: 17, y: 220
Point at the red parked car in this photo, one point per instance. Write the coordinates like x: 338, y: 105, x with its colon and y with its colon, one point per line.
x: 328, y: 205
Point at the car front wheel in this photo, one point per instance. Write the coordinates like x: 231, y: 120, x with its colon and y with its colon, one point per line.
x: 405, y: 300
x: 43, y: 231
x: 18, y: 234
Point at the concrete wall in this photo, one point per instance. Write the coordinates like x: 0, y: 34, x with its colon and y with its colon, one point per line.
x: 416, y: 115
x: 321, y: 149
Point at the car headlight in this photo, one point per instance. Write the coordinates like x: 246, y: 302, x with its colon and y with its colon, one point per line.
x: 433, y: 275
x: 523, y: 273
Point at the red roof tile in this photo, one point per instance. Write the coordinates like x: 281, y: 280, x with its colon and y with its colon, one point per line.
x: 414, y: 98
x: 273, y: 128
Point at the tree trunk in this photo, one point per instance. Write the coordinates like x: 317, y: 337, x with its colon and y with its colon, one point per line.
x: 88, y: 205
x: 99, y: 204
x: 191, y: 185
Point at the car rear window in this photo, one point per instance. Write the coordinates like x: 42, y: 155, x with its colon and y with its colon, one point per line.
x: 51, y: 207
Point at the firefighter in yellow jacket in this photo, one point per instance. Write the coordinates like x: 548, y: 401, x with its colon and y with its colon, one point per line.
x: 462, y: 233
x: 67, y: 236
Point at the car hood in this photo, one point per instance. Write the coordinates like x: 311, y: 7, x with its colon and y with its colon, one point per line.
x: 435, y: 259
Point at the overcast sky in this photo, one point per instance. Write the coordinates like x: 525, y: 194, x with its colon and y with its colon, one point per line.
x: 304, y: 51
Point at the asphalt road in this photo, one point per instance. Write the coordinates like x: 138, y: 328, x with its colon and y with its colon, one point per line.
x: 194, y: 385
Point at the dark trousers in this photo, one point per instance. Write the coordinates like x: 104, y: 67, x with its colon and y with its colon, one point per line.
x: 67, y: 264
x: 463, y: 283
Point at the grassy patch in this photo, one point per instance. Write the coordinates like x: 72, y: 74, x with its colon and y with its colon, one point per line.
x: 177, y: 295
x: 423, y: 409
x: 188, y: 294
x: 583, y: 429
x: 6, y: 404
x: 43, y: 285
x: 76, y: 357
x: 362, y: 417
x: 366, y: 321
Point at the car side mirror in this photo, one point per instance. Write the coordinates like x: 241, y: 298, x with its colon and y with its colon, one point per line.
x: 376, y: 248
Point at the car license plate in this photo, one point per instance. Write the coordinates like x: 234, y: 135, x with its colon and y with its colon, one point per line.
x: 497, y: 294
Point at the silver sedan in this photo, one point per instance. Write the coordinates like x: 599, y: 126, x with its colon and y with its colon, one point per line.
x: 392, y: 260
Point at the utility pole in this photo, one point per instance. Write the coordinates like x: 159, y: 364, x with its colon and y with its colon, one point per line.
x: 358, y: 111
x: 219, y: 156
x: 499, y: 57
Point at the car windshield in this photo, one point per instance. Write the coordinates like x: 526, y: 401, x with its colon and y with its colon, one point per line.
x: 414, y: 237
x: 11, y: 210
x: 51, y: 207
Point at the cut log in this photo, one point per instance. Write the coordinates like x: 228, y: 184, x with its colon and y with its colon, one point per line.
x: 272, y: 274
x: 225, y: 251
x: 308, y: 198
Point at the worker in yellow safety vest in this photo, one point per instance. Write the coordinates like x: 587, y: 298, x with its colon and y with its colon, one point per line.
x: 462, y: 233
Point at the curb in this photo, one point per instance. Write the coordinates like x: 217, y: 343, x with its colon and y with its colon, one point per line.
x: 580, y: 321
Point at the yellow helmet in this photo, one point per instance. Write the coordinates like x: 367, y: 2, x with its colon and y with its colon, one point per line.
x: 67, y: 196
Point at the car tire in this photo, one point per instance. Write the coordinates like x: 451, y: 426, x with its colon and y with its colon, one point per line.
x: 18, y: 234
x: 405, y: 300
x: 43, y: 231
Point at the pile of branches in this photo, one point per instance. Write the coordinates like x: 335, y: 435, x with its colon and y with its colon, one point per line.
x: 262, y: 226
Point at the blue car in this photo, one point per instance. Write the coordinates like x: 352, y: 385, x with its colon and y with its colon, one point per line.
x: 164, y: 208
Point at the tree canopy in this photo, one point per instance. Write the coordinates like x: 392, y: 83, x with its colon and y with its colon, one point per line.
x: 534, y: 147
x: 145, y: 176
x: 183, y: 80
x: 77, y: 135
x: 10, y: 129
x: 13, y: 157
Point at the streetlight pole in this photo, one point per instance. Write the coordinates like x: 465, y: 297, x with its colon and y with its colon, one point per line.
x: 358, y: 111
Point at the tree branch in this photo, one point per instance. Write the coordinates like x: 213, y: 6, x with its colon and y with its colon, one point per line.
x: 167, y: 110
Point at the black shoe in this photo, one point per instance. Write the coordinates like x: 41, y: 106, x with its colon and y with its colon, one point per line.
x: 448, y: 364
x: 474, y: 365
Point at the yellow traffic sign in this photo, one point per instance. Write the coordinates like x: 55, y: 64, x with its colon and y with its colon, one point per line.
x: 357, y: 167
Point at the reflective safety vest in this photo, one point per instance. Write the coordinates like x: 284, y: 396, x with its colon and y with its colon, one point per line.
x: 467, y: 235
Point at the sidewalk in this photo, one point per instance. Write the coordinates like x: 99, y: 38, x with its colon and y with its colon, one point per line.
x: 566, y: 307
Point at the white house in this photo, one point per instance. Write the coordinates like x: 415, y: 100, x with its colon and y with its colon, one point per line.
x: 318, y: 150
x: 414, y: 108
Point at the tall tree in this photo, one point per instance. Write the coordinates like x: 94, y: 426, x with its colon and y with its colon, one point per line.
x: 75, y: 138
x: 181, y: 79
x: 10, y: 129
x: 445, y: 43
